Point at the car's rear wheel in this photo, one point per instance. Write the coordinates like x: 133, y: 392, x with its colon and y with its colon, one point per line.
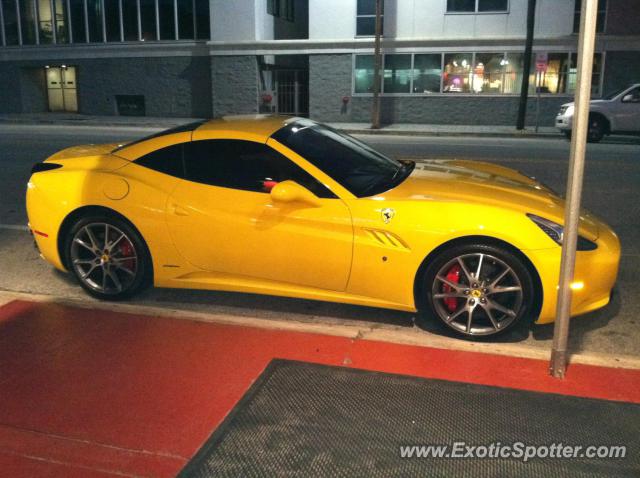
x: 108, y: 257
x: 478, y: 290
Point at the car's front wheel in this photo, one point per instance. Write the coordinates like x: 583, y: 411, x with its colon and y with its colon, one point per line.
x: 108, y: 257
x: 478, y: 290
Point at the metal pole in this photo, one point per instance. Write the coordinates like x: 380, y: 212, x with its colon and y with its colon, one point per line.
x: 526, y: 67
x: 377, y: 65
x: 586, y: 46
x: 538, y: 85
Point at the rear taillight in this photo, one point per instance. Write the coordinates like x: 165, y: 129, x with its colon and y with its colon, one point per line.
x: 39, y: 167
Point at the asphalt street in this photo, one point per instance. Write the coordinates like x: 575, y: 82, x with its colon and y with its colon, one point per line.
x: 611, y: 191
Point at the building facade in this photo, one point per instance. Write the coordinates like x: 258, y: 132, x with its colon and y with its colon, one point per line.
x: 445, y: 61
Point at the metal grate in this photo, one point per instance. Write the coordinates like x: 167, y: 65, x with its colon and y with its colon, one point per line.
x: 303, y: 419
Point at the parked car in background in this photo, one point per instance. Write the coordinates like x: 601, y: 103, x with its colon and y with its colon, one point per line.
x: 617, y: 113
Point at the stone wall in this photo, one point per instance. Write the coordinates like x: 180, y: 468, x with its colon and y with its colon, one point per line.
x: 234, y: 85
x: 172, y: 86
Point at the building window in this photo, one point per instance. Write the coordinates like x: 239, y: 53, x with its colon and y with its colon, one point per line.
x: 477, y: 6
x: 61, y: 16
x: 427, y: 71
x: 457, y: 75
x: 112, y: 19
x: 366, y: 18
x: 130, y: 20
x: 470, y: 73
x: 203, y: 26
x: 78, y: 27
x: 600, y: 20
x: 45, y: 23
x: 28, y: 22
x: 94, y: 14
x: 148, y: 20
x: 397, y: 74
x: 186, y: 20
x: 572, y: 76
x: 282, y: 8
x: 10, y: 22
x: 167, y: 20
x: 364, y: 74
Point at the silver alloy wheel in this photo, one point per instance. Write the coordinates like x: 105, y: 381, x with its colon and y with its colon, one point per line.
x: 104, y: 258
x: 485, y: 299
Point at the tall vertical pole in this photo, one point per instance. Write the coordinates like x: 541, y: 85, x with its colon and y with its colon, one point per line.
x: 377, y: 66
x: 526, y: 67
x: 586, y: 45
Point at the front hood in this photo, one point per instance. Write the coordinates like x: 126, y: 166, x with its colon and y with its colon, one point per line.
x: 591, y: 102
x: 477, y: 182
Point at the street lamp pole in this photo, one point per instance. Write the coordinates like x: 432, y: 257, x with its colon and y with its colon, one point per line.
x: 586, y: 44
x: 375, y: 107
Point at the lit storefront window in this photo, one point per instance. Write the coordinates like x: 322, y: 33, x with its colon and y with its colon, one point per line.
x: 397, y: 74
x: 458, y: 74
x: 495, y: 73
x: 427, y: 70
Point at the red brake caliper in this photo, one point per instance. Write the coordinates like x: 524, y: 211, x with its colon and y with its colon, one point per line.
x: 453, y: 275
x: 126, y: 249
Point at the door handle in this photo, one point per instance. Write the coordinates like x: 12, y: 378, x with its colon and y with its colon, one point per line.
x: 180, y: 211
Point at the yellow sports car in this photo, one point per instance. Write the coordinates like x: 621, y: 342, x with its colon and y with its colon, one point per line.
x: 291, y: 207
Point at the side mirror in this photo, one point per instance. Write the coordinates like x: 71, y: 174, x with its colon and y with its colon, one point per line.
x: 630, y: 98
x: 290, y: 191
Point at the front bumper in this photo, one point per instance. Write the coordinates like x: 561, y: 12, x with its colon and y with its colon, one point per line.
x: 594, y: 277
x: 564, y: 123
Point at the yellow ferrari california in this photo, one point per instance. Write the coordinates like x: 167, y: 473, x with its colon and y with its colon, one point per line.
x: 291, y: 207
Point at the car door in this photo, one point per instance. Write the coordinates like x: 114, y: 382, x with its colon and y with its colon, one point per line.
x: 222, y: 217
x: 628, y: 111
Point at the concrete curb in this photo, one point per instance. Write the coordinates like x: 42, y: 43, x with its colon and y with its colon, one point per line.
x: 514, y: 134
x: 362, y: 331
x: 349, y: 130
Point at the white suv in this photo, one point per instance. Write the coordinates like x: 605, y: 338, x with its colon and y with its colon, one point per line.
x: 618, y: 112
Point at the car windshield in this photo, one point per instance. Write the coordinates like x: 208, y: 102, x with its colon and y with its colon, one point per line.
x: 355, y: 165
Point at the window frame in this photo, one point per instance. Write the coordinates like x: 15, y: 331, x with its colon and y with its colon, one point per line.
x: 577, y: 16
x: 358, y: 16
x: 476, y: 11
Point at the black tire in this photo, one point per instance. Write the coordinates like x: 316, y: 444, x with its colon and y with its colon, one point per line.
x: 118, y: 268
x: 481, y: 296
x: 596, y: 129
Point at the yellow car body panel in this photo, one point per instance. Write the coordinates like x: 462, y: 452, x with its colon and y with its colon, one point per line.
x: 341, y: 250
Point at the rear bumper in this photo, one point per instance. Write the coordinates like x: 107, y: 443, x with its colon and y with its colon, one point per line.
x: 594, y: 277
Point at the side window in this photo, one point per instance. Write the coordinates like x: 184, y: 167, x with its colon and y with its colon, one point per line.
x: 244, y: 165
x: 167, y: 160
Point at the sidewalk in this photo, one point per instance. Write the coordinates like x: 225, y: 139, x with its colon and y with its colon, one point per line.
x: 101, y: 393
x: 352, y: 128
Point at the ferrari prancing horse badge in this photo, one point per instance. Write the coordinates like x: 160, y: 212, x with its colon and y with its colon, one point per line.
x: 387, y: 214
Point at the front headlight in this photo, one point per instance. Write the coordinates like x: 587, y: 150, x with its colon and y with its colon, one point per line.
x: 556, y: 232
